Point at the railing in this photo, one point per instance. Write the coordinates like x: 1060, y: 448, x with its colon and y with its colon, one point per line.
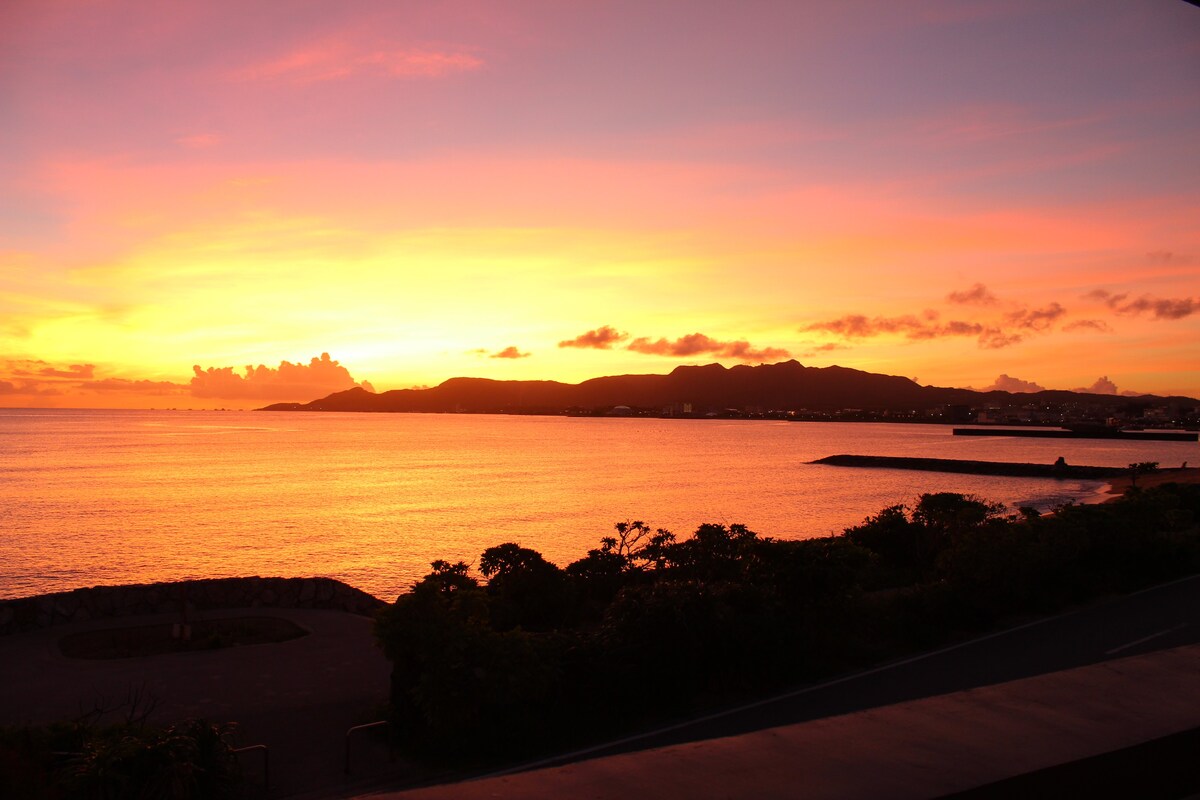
x: 266, y: 761
x: 364, y: 727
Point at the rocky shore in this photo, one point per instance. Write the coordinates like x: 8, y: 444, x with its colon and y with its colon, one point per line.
x: 109, y: 602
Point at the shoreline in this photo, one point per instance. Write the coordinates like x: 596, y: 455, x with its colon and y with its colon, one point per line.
x: 1117, y: 487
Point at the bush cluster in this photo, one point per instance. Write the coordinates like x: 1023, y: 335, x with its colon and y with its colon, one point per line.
x: 528, y: 655
x: 191, y: 760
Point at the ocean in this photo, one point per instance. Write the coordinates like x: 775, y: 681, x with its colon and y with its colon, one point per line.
x: 91, y: 497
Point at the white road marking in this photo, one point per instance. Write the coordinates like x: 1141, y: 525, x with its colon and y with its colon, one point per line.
x: 1136, y: 642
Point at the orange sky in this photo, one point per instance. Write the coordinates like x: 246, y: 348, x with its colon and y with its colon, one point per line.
x: 950, y: 191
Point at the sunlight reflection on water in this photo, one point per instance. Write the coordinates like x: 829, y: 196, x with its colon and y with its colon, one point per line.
x: 101, y: 497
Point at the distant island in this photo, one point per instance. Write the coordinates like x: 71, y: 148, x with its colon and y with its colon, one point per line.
x: 786, y: 390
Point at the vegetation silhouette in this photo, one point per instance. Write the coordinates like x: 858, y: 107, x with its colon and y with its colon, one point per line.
x: 191, y: 760
x: 1139, y: 468
x: 647, y: 627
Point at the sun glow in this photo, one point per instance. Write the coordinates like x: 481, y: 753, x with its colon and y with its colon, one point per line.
x: 469, y: 196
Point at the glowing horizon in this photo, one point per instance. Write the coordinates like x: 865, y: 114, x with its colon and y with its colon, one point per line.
x: 946, y: 191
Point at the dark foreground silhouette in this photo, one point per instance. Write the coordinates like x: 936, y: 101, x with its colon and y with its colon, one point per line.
x: 524, y: 657
x: 646, y: 627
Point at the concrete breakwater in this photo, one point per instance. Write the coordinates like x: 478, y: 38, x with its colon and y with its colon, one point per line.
x: 208, y: 594
x: 1083, y: 433
x: 1003, y: 468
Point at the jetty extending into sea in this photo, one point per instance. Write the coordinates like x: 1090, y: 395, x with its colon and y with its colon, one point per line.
x: 1005, y: 468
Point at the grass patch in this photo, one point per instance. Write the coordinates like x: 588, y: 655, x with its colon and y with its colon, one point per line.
x: 151, y: 640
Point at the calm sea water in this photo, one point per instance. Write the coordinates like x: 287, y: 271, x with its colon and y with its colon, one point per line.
x: 105, y: 497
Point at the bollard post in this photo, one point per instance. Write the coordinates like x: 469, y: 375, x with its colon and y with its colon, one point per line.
x: 349, y: 731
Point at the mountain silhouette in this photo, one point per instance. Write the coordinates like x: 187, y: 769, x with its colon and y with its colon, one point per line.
x: 786, y: 386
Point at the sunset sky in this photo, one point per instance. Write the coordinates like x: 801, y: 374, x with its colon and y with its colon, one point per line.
x: 957, y: 192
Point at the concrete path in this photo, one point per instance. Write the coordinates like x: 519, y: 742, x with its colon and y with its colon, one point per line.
x: 298, y: 697
x: 917, y: 749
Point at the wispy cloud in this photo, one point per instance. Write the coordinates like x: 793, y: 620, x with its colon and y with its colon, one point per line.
x: 827, y: 347
x: 42, y: 370
x: 339, y: 59
x: 1097, y: 325
x: 199, y: 141
x: 859, y: 326
x: 978, y: 124
x: 1168, y: 257
x: 27, y: 389
x: 992, y: 329
x: 976, y: 295
x: 142, y: 387
x: 38, y: 378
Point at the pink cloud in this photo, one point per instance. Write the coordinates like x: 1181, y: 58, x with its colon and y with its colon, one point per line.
x: 199, y: 141
x: 1007, y: 383
x: 1102, y: 386
x: 338, y: 59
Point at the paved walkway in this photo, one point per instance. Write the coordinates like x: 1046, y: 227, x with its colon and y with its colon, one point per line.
x: 919, y: 749
x: 298, y: 697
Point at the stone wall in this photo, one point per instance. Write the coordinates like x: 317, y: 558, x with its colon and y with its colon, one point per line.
x: 107, y: 602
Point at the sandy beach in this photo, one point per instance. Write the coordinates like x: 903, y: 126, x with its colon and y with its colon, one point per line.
x: 1117, y: 486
